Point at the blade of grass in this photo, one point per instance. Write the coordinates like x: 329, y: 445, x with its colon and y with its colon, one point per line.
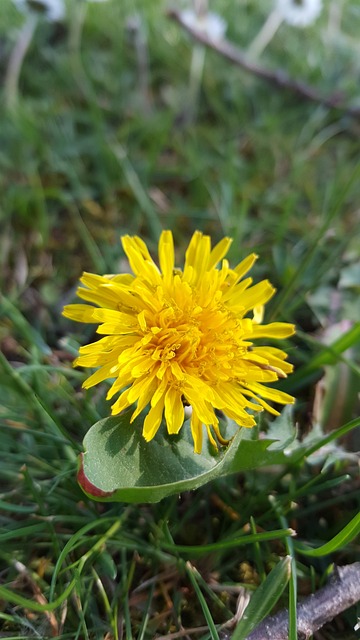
x: 334, y: 435
x: 19, y: 322
x: 192, y: 573
x: 346, y: 535
x: 39, y: 405
x: 18, y: 532
x: 75, y: 538
x: 228, y: 544
x: 293, y: 572
x: 16, y: 508
x: 257, y: 552
x: 89, y: 243
x: 127, y: 577
x: 329, y: 354
x: 338, y: 200
x: 264, y: 599
x: 146, y: 615
x: 15, y: 598
x: 138, y: 190
x: 306, y: 452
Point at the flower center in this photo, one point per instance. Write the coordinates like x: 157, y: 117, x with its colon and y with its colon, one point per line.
x: 201, y: 341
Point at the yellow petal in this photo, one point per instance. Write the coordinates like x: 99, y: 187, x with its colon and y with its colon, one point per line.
x: 144, y: 398
x: 218, y: 252
x: 140, y: 260
x: 111, y: 315
x: 259, y: 294
x: 79, y: 312
x: 197, y: 256
x: 174, y: 410
x: 167, y: 256
x: 258, y: 316
x: 99, y: 376
x: 278, y: 330
x: 93, y: 281
x: 196, y: 432
x: 121, y: 403
x: 153, y: 420
x: 245, y: 266
x: 271, y: 394
x: 102, y: 297
x: 116, y: 328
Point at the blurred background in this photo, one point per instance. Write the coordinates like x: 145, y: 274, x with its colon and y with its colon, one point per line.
x: 114, y: 120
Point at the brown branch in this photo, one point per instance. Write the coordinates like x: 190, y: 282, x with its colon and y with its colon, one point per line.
x: 341, y: 592
x: 278, y: 78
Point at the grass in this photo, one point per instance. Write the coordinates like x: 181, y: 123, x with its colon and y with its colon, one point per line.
x: 98, y: 145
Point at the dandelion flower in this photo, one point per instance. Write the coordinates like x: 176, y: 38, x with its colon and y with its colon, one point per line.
x: 213, y: 25
x: 52, y: 10
x: 299, y: 13
x: 175, y: 337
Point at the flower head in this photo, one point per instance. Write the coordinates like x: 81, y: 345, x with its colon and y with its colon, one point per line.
x: 52, y: 10
x: 175, y: 337
x: 213, y: 25
x: 299, y: 13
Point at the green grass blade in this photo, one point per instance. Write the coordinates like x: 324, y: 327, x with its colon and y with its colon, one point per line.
x: 16, y: 508
x: 289, y: 543
x: 346, y: 535
x: 22, y: 531
x: 70, y: 544
x: 192, y: 573
x: 264, y: 599
x: 138, y: 190
x: 334, y: 209
x: 334, y: 435
x: 146, y: 614
x: 329, y: 355
x: 228, y: 544
x: 15, y: 598
x: 23, y: 327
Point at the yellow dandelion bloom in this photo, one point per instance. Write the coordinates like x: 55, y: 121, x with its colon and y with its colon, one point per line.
x: 183, y: 337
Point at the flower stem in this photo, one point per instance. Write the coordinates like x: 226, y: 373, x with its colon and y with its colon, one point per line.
x: 265, y: 35
x: 16, y: 61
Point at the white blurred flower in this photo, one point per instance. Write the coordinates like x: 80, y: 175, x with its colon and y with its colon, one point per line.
x: 52, y: 10
x: 299, y: 13
x: 213, y: 25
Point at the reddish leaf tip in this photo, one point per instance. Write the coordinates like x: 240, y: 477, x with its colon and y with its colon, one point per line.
x: 87, y: 485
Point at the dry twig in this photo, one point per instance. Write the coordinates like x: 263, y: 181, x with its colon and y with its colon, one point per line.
x: 341, y: 592
x: 277, y: 78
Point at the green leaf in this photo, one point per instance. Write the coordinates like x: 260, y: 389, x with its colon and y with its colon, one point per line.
x: 282, y: 430
x: 106, y: 565
x: 350, y: 276
x: 119, y: 465
x: 264, y: 599
x: 346, y: 535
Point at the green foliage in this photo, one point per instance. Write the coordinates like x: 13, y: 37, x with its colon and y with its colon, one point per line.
x: 119, y: 465
x: 264, y: 599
